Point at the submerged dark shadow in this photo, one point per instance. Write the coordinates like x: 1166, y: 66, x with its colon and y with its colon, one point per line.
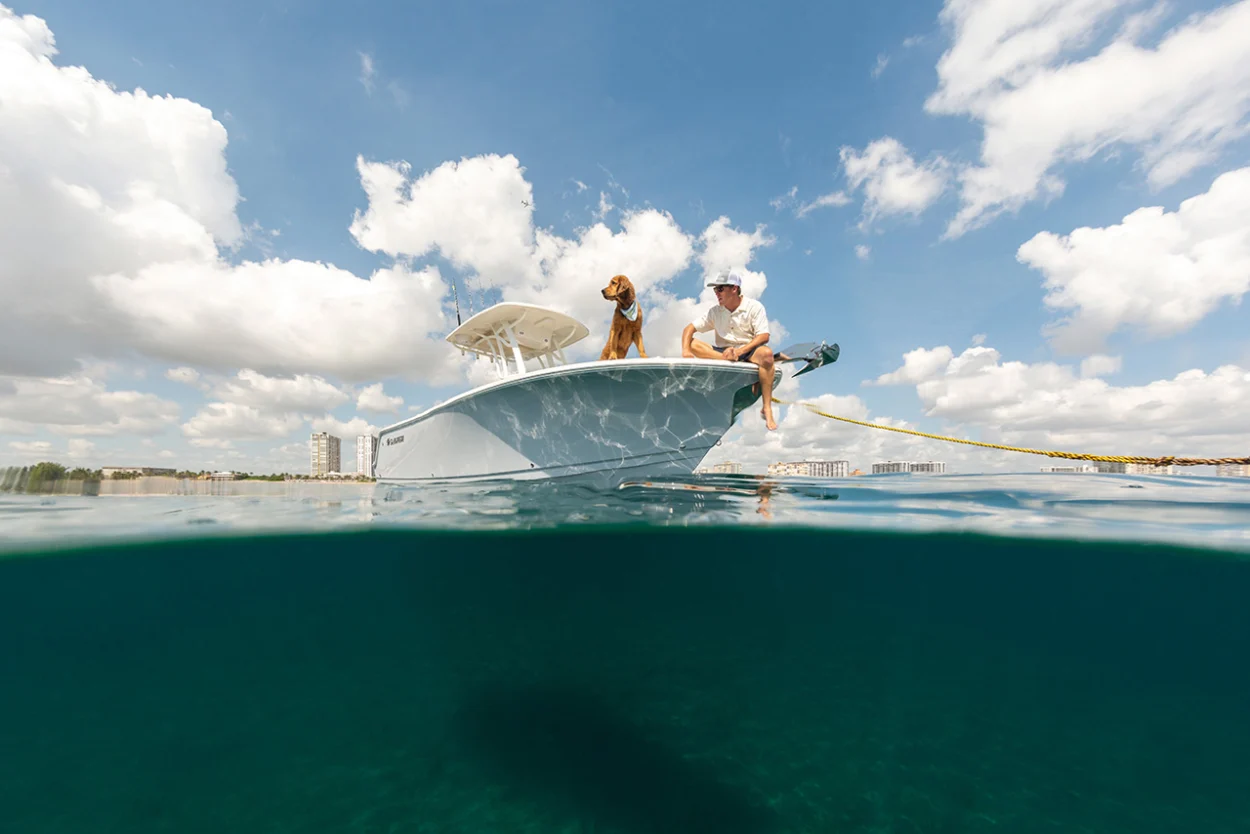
x: 570, y: 752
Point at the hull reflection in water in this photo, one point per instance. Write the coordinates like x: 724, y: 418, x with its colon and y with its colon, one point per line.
x: 633, y: 418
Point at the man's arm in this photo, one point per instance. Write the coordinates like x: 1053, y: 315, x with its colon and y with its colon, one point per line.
x: 760, y: 339
x: 687, y: 338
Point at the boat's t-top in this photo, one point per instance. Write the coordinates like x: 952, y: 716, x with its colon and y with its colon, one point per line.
x: 512, y: 333
x: 516, y: 332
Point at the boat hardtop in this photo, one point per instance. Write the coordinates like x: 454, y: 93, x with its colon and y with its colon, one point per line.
x: 519, y: 332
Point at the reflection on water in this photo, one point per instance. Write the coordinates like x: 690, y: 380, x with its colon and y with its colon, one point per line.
x: 1202, y: 511
x: 215, y: 486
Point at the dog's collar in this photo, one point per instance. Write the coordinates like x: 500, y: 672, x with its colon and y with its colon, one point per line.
x: 632, y: 312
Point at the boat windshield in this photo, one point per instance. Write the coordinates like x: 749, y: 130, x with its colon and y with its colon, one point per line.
x: 511, y: 333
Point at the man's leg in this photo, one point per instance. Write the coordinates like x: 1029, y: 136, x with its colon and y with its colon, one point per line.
x: 702, y: 350
x: 763, y: 356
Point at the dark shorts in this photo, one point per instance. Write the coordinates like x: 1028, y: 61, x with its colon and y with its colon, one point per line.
x: 741, y: 357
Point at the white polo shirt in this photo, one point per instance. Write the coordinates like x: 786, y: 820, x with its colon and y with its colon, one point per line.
x: 737, y: 328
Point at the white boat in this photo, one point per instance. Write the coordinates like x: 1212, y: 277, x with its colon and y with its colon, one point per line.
x: 547, y: 418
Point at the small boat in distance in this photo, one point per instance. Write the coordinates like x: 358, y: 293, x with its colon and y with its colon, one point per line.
x: 547, y: 418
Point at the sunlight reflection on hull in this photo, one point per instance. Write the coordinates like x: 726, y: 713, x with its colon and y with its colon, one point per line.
x: 620, y: 420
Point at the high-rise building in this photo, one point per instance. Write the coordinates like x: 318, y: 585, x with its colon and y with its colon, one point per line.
x: 1111, y: 468
x: 1233, y: 470
x: 926, y: 467
x: 324, y: 454
x: 812, y: 468
x: 366, y: 454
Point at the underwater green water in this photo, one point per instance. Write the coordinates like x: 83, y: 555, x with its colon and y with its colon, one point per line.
x: 624, y: 680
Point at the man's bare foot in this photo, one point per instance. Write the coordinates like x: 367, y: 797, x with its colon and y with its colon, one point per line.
x: 768, y: 418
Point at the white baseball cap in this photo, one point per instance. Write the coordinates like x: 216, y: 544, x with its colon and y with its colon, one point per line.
x: 730, y: 278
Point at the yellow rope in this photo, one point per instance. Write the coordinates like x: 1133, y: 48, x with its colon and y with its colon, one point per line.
x: 1166, y: 461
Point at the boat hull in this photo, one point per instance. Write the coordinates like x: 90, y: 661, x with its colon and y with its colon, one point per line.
x: 606, y: 420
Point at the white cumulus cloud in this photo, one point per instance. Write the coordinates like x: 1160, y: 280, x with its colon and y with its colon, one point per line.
x: 117, y: 220
x: 472, y: 212
x: 303, y: 392
x: 218, y: 423
x: 727, y: 248
x: 918, y: 365
x: 804, y: 435
x: 31, y: 447
x: 1157, y: 271
x: 78, y: 405
x: 373, y: 398
x: 187, y: 376
x: 92, y: 180
x: 79, y: 449
x: 650, y: 248
x: 288, y: 317
x: 477, y: 214
x: 893, y: 182
x: 1099, y: 365
x: 344, y: 428
x: 1050, y: 82
x: 1049, y: 405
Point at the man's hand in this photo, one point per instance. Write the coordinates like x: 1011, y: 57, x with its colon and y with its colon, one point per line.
x: 731, y: 353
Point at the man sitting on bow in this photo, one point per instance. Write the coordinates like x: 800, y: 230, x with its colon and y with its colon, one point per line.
x: 741, y: 327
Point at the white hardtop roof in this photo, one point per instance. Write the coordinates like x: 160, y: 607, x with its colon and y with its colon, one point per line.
x: 535, y: 330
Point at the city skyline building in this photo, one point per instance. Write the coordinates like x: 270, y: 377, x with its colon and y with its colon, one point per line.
x: 811, y: 468
x: 366, y: 454
x: 921, y: 467
x: 324, y: 453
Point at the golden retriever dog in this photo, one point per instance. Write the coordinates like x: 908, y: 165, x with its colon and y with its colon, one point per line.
x: 626, y: 326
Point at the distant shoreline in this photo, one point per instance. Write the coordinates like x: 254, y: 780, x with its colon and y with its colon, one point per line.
x: 170, y: 485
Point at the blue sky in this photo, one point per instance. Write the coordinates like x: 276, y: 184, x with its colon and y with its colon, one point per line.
x: 699, y: 111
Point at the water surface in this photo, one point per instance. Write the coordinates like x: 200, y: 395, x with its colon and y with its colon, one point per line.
x: 1188, y: 510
